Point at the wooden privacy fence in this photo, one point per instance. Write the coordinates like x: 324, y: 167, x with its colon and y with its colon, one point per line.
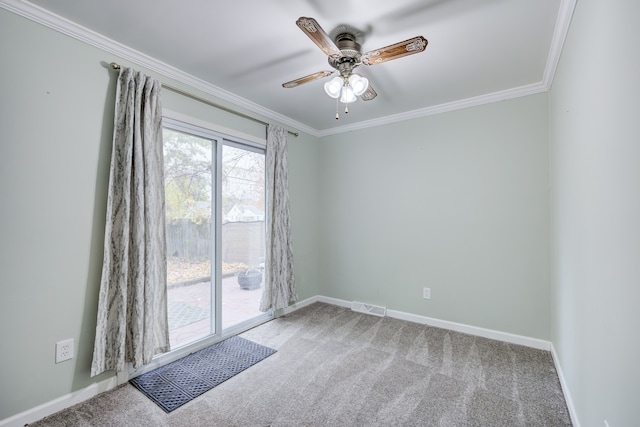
x: 241, y: 241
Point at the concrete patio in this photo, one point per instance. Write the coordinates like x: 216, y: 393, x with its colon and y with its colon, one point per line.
x: 189, y: 309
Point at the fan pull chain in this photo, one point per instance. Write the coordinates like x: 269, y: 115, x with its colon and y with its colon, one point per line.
x: 346, y: 109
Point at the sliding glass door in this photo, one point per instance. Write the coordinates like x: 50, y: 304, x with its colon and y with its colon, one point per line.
x: 189, y: 170
x: 243, y: 232
x: 214, y: 202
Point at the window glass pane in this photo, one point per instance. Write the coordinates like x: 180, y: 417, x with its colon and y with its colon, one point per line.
x: 188, y: 210
x: 243, y: 250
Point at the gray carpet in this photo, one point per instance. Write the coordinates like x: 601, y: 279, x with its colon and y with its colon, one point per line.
x: 335, y: 367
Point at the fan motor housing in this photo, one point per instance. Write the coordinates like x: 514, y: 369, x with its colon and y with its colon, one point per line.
x: 351, y: 52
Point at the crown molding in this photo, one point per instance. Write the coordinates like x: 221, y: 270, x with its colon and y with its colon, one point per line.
x: 65, y: 26
x: 504, y: 95
x: 565, y: 13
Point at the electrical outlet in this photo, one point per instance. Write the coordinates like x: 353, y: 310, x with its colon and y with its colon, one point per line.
x: 64, y: 350
x: 426, y: 293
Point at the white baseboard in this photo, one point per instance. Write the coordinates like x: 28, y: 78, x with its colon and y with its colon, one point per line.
x: 334, y: 301
x: 453, y: 326
x: 472, y: 330
x: 55, y: 405
x: 296, y: 306
x: 565, y: 388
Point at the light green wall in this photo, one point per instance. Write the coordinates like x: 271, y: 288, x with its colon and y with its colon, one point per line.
x: 457, y: 202
x: 304, y: 175
x: 595, y: 152
x: 54, y: 154
x: 56, y: 120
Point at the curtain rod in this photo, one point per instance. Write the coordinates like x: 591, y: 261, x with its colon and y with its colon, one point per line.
x: 116, y: 66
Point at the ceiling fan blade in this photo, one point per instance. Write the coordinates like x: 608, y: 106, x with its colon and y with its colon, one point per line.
x: 305, y: 79
x: 395, y: 51
x: 315, y: 32
x: 368, y: 94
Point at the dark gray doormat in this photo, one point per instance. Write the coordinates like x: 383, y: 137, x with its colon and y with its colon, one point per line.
x: 175, y: 384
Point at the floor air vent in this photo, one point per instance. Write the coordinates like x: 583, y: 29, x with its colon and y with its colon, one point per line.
x: 361, y: 307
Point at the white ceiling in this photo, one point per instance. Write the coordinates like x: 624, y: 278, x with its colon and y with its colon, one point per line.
x: 243, y: 50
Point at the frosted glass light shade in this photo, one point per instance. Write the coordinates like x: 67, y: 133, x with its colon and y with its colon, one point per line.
x: 358, y: 83
x: 334, y: 86
x: 347, y: 95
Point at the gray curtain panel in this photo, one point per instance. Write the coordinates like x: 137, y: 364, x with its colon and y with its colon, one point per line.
x: 132, y: 308
x: 280, y: 289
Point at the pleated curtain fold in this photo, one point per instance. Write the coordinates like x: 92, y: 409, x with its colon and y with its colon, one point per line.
x: 280, y: 290
x: 132, y: 308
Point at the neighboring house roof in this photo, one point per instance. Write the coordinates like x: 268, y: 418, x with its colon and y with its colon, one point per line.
x: 244, y: 213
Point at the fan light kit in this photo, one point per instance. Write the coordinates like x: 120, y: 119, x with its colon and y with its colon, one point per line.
x: 346, y: 89
x: 345, y: 55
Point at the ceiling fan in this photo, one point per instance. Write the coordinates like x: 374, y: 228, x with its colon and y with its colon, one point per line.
x: 345, y: 54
